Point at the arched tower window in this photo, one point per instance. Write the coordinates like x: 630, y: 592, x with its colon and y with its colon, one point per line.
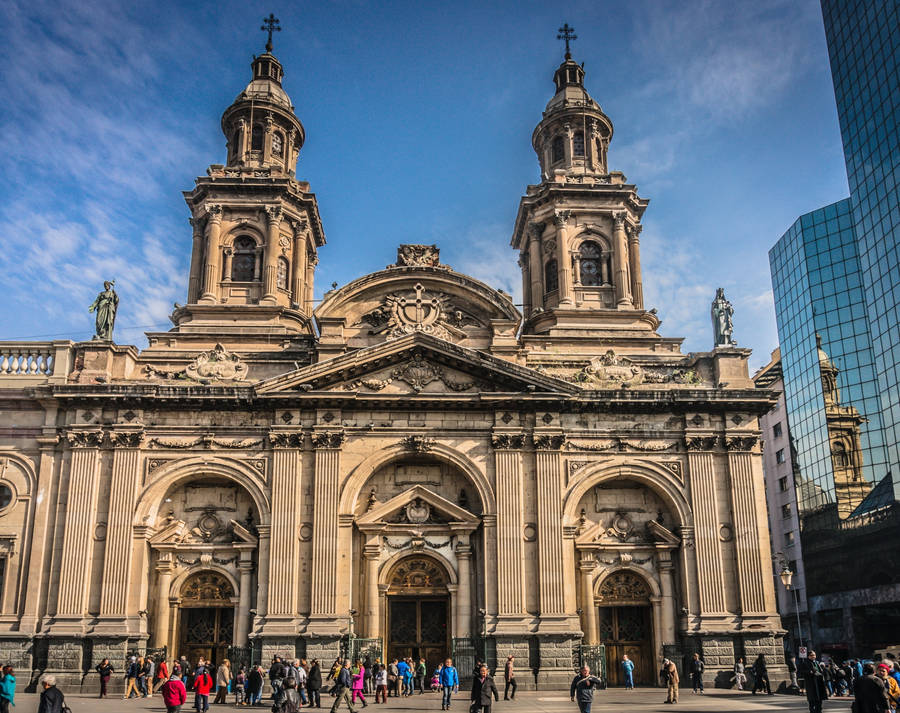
x: 591, y: 262
x: 236, y: 143
x: 277, y: 144
x: 578, y: 144
x: 282, y: 275
x: 839, y: 454
x: 257, y: 138
x: 243, y: 263
x: 551, y: 276
x: 557, y: 149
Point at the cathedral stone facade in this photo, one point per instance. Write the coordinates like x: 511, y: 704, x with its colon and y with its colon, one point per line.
x: 415, y: 464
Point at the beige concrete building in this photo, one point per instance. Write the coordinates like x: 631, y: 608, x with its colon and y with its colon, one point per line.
x: 415, y: 461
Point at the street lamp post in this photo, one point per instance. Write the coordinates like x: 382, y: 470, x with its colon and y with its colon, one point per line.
x: 786, y: 577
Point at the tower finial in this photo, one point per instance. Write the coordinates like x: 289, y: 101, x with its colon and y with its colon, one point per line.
x: 270, y: 25
x: 567, y: 33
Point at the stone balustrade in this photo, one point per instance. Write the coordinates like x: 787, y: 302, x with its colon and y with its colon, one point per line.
x: 35, y: 359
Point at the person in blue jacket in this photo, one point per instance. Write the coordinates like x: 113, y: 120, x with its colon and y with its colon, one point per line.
x: 402, y: 671
x: 628, y: 671
x: 449, y: 683
x: 7, y: 689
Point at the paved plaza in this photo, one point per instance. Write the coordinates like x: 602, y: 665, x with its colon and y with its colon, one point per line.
x: 639, y: 701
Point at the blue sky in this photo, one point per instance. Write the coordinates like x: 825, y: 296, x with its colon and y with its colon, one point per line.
x: 419, y: 118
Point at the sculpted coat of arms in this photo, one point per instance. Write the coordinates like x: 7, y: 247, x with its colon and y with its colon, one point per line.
x: 418, y: 311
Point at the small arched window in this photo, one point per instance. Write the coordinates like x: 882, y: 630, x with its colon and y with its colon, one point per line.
x: 839, y: 454
x: 591, y: 261
x: 578, y: 144
x: 257, y: 138
x: 243, y: 263
x: 277, y: 144
x: 282, y: 275
x: 236, y: 143
x: 557, y: 149
x: 551, y: 276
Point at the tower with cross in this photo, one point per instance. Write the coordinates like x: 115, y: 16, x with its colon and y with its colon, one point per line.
x: 565, y: 33
x: 270, y: 25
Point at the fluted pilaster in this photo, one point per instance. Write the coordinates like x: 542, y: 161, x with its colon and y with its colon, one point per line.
x: 325, y: 523
x: 510, y: 548
x: 704, y: 502
x: 749, y: 527
x: 283, y: 549
x: 550, y: 534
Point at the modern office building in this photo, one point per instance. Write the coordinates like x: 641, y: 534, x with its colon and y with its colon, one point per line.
x: 779, y: 467
x: 834, y: 274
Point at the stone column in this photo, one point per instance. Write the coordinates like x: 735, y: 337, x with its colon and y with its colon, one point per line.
x: 229, y: 254
x: 510, y: 506
x: 464, y: 591
x: 298, y: 293
x: 164, y: 568
x: 270, y: 275
x: 704, y: 503
x: 117, y: 552
x: 372, y: 555
x: 749, y: 513
x: 242, y: 621
x: 620, y: 256
x: 262, y: 580
x: 550, y: 531
x: 536, y: 265
x: 257, y: 264
x: 562, y: 260
x: 634, y: 253
x: 311, y: 261
x: 211, y: 271
x: 576, y: 264
x: 586, y: 566
x: 284, y: 546
x: 526, y: 282
x: 196, y: 261
x: 80, y: 514
x: 667, y: 604
x: 325, y: 529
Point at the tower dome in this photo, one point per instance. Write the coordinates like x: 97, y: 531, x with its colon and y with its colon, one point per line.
x: 260, y: 125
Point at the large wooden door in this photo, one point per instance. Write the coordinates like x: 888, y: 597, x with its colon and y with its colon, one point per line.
x: 417, y: 627
x: 206, y: 632
x: 627, y: 630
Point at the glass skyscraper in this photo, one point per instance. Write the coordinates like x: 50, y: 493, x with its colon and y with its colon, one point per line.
x: 836, y: 281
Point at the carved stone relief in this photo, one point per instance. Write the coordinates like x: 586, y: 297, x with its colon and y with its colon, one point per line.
x: 419, y: 310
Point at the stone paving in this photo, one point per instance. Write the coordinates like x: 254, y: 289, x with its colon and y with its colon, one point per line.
x: 639, y: 701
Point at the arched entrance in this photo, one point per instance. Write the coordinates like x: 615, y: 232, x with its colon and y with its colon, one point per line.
x: 625, y: 626
x: 418, y: 610
x: 206, y: 628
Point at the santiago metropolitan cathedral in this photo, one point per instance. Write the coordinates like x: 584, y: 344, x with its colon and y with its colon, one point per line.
x: 414, y: 467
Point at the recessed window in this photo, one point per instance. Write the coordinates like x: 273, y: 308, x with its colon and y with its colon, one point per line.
x: 6, y: 496
x: 779, y: 456
x: 777, y: 430
x: 594, y: 267
x: 786, y: 510
x: 551, y: 277
x: 256, y: 138
x: 782, y: 484
x: 243, y: 263
x: 282, y: 273
x: 557, y: 149
x: 789, y: 538
x: 578, y: 144
x: 277, y: 144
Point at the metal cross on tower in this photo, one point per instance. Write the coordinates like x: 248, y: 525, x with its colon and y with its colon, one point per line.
x: 567, y: 33
x: 270, y: 25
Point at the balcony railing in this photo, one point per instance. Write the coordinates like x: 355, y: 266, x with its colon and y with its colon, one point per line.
x: 35, y: 361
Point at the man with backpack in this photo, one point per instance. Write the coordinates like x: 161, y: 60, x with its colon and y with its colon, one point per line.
x: 342, y: 687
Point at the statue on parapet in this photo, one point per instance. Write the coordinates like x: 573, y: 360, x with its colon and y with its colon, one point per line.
x: 722, y: 313
x: 105, y: 306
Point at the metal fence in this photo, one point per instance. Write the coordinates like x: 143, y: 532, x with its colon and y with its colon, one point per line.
x: 359, y: 648
x: 158, y: 654
x: 245, y: 656
x: 592, y: 656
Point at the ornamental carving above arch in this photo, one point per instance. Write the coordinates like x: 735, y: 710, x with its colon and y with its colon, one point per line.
x: 624, y: 588
x: 206, y: 588
x: 419, y: 575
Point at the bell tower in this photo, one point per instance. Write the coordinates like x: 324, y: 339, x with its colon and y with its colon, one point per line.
x: 256, y: 228
x: 578, y: 230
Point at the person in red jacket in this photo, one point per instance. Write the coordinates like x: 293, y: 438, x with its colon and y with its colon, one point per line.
x: 203, y: 684
x: 174, y: 694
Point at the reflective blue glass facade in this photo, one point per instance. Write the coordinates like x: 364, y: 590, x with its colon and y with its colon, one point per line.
x: 864, y: 47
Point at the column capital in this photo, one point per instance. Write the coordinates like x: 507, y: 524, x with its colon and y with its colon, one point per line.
x: 84, y: 439
x: 372, y: 551
x: 328, y: 439
x: 299, y: 226
x: 214, y: 213
x: 619, y: 219
x: 126, y: 439
x: 561, y: 217
x: 165, y: 566
x: 273, y: 214
x: 701, y: 442
x: 741, y: 443
x: 286, y: 439
x: 549, y: 442
x: 463, y: 551
x: 587, y: 563
x: 508, y: 441
x: 634, y: 231
x: 245, y: 566
x: 535, y: 230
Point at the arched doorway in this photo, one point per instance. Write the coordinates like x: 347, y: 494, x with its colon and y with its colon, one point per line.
x: 418, y: 610
x: 207, y: 617
x: 625, y: 626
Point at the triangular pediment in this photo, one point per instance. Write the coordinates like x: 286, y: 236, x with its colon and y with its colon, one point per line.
x: 416, y: 364
x: 415, y: 507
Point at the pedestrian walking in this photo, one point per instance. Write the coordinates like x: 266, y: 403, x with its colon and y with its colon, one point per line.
x: 150, y: 673
x: 314, y: 684
x: 509, y: 677
x: 697, y: 668
x: 393, y: 678
x: 792, y: 672
x: 131, y: 676
x: 381, y: 684
x: 891, y: 688
x: 302, y: 676
x: 582, y: 689
x: 358, y: 673
x: 342, y: 688
x: 142, y: 676
x: 104, y: 670
x: 740, y: 677
x: 277, y: 672
x: 240, y: 687
x: 449, y: 683
x: 203, y: 685
x: 254, y: 685
x: 421, y: 671
x: 761, y: 675
x: 7, y: 689
x: 816, y: 692
x: 669, y: 675
x: 628, y: 672
x: 291, y: 700
x: 52, y: 699
x: 174, y: 694
x: 484, y: 692
x: 871, y: 696
x: 223, y: 679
